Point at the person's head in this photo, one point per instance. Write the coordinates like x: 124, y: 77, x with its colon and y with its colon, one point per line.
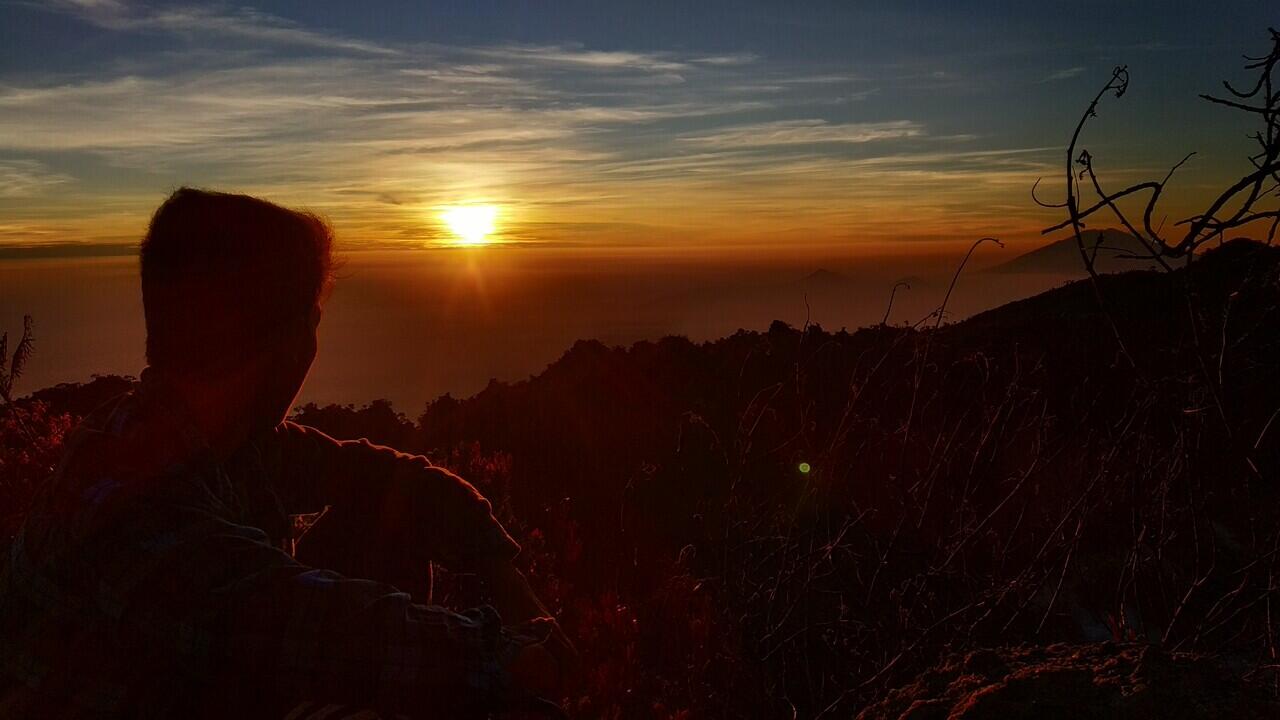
x: 231, y: 290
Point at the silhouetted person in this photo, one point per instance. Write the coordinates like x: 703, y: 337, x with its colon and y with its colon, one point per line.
x: 155, y: 575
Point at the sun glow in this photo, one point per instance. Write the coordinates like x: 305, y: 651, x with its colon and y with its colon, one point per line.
x: 472, y: 224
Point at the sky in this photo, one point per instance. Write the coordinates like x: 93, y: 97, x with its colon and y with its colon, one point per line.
x: 660, y: 127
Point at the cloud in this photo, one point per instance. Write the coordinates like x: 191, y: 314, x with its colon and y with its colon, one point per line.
x: 729, y: 59
x: 1065, y: 74
x: 345, y: 135
x: 805, y: 132
x: 828, y: 79
x: 156, y: 113
x: 579, y: 57
x: 46, y: 250
x: 375, y: 134
x: 34, y: 234
x: 24, y: 178
x: 205, y: 20
x: 92, y: 6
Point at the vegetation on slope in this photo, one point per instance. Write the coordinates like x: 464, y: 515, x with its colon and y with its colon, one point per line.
x: 789, y: 523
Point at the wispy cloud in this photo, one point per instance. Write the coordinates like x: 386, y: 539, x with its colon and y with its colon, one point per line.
x: 728, y: 59
x: 805, y: 132
x: 579, y: 57
x: 1064, y: 74
x: 378, y: 134
x: 24, y: 178
x: 238, y: 23
x: 55, y: 249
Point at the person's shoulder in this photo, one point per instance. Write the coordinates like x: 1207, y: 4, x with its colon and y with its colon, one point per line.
x: 119, y: 457
x: 105, y: 439
x: 290, y: 433
x: 94, y: 450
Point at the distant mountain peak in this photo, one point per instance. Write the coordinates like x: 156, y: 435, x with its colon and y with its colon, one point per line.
x: 823, y: 277
x: 1113, y: 250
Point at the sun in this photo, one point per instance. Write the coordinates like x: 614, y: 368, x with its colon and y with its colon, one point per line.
x: 473, y: 224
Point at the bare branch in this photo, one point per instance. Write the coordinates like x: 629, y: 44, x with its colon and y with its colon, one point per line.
x: 1244, y: 195
x: 956, y: 277
x: 1236, y: 105
x: 1040, y: 202
x: 892, y: 294
x: 1155, y: 198
x: 1081, y: 215
x: 1124, y: 220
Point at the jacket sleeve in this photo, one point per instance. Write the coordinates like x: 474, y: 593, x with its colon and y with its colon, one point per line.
x: 390, y: 502
x: 236, y: 609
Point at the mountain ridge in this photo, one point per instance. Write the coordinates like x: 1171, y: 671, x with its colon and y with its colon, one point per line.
x: 1116, y: 251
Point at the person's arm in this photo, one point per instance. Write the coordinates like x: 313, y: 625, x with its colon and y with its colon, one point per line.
x: 226, y: 602
x: 390, y: 502
x: 394, y: 512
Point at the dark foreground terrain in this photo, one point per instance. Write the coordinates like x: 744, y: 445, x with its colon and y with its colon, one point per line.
x: 1046, y: 510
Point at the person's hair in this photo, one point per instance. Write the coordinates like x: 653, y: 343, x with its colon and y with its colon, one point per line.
x: 222, y: 273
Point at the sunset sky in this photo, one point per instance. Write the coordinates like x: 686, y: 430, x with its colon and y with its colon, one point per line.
x: 647, y: 124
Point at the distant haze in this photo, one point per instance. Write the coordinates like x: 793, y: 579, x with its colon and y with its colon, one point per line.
x: 409, y: 326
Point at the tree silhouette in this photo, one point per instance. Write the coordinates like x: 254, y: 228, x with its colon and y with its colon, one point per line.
x: 1241, y: 204
x: 16, y: 362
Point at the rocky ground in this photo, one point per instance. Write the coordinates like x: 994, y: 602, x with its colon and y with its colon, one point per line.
x: 1102, y: 680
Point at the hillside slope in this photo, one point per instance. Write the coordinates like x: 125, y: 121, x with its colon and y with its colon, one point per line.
x: 1020, y: 475
x: 792, y: 522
